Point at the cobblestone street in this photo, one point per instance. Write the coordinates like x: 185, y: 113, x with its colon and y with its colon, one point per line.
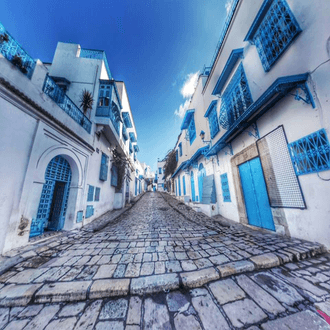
x: 161, y: 265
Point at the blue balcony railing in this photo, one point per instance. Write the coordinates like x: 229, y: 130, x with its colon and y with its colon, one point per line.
x: 13, y: 52
x: 65, y: 103
x: 97, y: 55
x: 125, y: 134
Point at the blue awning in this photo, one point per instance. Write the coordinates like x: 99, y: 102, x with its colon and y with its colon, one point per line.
x: 231, y: 62
x: 127, y: 119
x: 279, y: 89
x: 199, y: 152
x: 187, y: 117
x: 132, y: 137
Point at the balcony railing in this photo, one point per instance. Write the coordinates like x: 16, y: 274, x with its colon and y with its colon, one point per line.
x: 97, y: 55
x: 13, y: 52
x: 125, y: 134
x: 65, y: 103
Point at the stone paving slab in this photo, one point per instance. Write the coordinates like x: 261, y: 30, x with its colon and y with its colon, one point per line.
x: 158, y: 244
x: 260, y: 300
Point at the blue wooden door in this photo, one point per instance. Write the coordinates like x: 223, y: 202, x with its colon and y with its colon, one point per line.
x: 255, y: 194
x: 201, y: 174
x: 192, y: 183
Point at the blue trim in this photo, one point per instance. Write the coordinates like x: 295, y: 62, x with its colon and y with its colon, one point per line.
x: 224, y: 30
x: 235, y: 55
x: 192, y: 131
x: 132, y: 136
x: 258, y: 19
x: 136, y: 148
x: 180, y: 149
x: 187, y: 117
x: 182, y: 166
x: 210, y: 108
x: 225, y: 188
x: 266, y: 101
x: 212, y: 115
x: 127, y: 119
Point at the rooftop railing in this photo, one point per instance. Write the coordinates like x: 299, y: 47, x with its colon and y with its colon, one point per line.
x: 65, y: 103
x: 14, y: 53
x: 97, y: 55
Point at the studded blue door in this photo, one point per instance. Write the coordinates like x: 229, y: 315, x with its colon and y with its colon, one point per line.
x: 192, y: 183
x: 255, y: 194
x: 54, y: 197
x: 201, y: 174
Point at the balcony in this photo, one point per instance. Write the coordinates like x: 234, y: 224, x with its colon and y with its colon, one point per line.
x: 65, y: 103
x: 124, y: 132
x: 97, y: 55
x: 14, y: 53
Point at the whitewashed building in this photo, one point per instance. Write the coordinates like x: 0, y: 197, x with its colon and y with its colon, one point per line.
x: 160, y: 176
x: 256, y: 134
x: 56, y: 160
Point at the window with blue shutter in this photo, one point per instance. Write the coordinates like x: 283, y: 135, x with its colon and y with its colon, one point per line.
x: 89, y: 211
x: 225, y: 188
x: 212, y: 116
x: 209, y: 194
x: 97, y: 194
x: 311, y: 153
x: 114, y: 175
x: 104, y: 167
x: 184, y: 185
x: 160, y: 170
x: 180, y: 149
x: 192, y: 130
x: 90, y: 195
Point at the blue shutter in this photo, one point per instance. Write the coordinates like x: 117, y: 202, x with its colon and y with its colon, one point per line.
x: 114, y: 176
x: 180, y: 149
x: 89, y: 211
x: 225, y: 188
x: 90, y: 195
x: 80, y: 216
x: 179, y: 185
x: 97, y: 194
x: 192, y: 130
x: 209, y: 195
x: 184, y: 185
x: 104, y: 167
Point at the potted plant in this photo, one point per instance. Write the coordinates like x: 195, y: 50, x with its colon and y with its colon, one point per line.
x: 4, y: 37
x: 86, y: 101
x: 17, y: 61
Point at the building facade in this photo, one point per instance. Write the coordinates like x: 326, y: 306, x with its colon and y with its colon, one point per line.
x: 255, y: 138
x: 68, y: 141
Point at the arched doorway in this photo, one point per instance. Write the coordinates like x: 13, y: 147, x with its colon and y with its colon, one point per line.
x: 54, y: 197
x: 192, y: 184
x: 201, y: 174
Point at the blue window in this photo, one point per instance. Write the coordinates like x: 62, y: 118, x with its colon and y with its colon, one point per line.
x: 225, y: 188
x: 180, y: 149
x: 130, y: 147
x: 179, y: 185
x: 160, y: 170
x: 235, y: 100
x: 311, y: 153
x: 104, y: 167
x: 184, y: 185
x: 211, y: 113
x: 104, y: 95
x: 274, y: 28
x: 192, y: 130
x: 177, y: 155
x: 114, y: 175
x: 90, y: 194
x: 89, y: 211
x: 80, y: 215
x: 97, y: 194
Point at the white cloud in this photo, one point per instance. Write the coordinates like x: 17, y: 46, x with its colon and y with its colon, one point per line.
x: 187, y: 92
x: 228, y: 5
x: 189, y: 85
x: 182, y: 109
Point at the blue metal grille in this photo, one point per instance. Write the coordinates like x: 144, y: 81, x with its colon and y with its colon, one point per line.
x: 11, y: 48
x: 311, y: 153
x: 192, y: 130
x: 97, y: 194
x: 65, y: 103
x: 225, y: 188
x: 275, y: 33
x: 97, y: 55
x: 114, y: 176
x: 58, y: 169
x: 235, y: 100
x: 213, y: 121
x: 90, y: 194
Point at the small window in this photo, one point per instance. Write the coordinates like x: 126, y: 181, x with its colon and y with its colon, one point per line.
x: 192, y: 130
x: 225, y: 188
x: 89, y: 211
x: 275, y: 33
x: 114, y: 176
x: 160, y: 170
x: 104, y: 167
x: 180, y: 149
x: 90, y: 195
x: 104, y: 96
x: 177, y: 155
x: 97, y: 194
x: 311, y: 153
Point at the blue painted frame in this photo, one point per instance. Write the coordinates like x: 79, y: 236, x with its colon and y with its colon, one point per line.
x: 184, y: 185
x: 104, y: 167
x: 225, y: 188
x: 212, y: 116
x: 90, y: 194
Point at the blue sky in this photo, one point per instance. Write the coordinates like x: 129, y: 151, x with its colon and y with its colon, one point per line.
x: 154, y: 46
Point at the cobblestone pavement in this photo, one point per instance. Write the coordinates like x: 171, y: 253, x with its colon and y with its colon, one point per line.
x: 285, y: 297
x: 150, y: 248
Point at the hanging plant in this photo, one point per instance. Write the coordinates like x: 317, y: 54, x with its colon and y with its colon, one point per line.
x: 170, y: 163
x: 86, y: 101
x: 4, y: 37
x: 17, y: 61
x: 121, y: 163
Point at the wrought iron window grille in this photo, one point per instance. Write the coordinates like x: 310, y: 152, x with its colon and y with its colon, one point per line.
x: 311, y: 154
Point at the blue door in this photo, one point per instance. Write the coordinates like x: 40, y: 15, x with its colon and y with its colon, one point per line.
x: 192, y: 183
x: 54, y: 197
x: 201, y: 174
x: 255, y: 194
